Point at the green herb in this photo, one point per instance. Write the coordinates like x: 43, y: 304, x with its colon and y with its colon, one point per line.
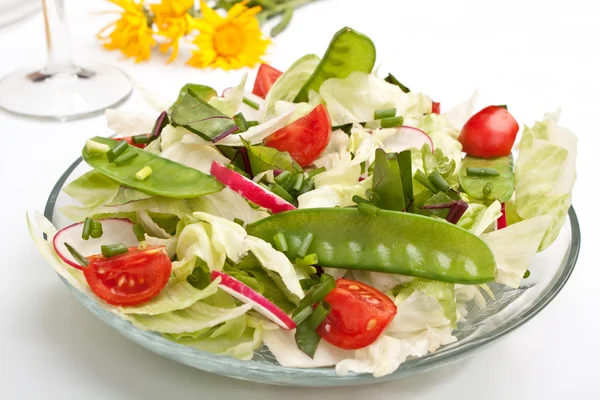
x: 87, y: 228
x: 76, y: 255
x: 391, y: 79
x: 368, y: 209
x: 438, y: 181
x: 482, y: 172
x: 526, y: 274
x: 143, y: 173
x: 316, y: 293
x: 252, y: 123
x: 251, y: 103
x: 280, y: 243
x: 263, y: 158
x: 95, y: 148
x: 302, y: 315
x: 138, y: 231
x: 117, y: 150
x: 387, y: 182
x: 112, y: 250
x: 281, y: 192
x: 298, y: 182
x: 307, y: 186
x: 404, y: 159
x: 308, y: 283
x: 125, y: 158
x: 424, y: 180
x: 305, y: 245
x: 96, y: 231
x: 200, y: 276
x: 385, y: 113
x: 241, y: 122
x: 238, y: 221
x: 284, y: 179
x: 358, y: 200
x: 306, y: 336
x: 307, y: 263
x: 140, y: 139
x: 200, y: 91
x: 392, y: 122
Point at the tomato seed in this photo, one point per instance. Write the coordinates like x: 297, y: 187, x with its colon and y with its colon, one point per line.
x: 141, y: 280
x: 353, y: 287
x: 121, y: 281
x: 131, y: 283
x: 371, y: 324
x: 101, y: 271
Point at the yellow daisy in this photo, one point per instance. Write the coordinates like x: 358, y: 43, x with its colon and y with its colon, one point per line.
x: 229, y: 42
x: 131, y: 33
x: 173, y: 22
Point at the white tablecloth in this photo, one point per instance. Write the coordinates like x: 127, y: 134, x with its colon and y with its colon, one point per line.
x: 534, y: 56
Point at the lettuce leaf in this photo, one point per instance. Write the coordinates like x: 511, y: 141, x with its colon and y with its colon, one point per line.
x: 443, y: 134
x: 194, y: 155
x: 479, y: 217
x: 416, y: 301
x: 128, y: 123
x: 545, y: 174
x: 93, y: 189
x: 230, y: 103
x: 335, y: 195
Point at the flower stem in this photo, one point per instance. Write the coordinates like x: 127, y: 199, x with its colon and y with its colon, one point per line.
x: 282, y: 6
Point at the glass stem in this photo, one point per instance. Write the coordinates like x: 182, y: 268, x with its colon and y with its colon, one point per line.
x: 57, y: 39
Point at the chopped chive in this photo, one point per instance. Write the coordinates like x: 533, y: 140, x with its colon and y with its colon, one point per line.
x: 487, y: 189
x: 116, y: 151
x: 438, y: 181
x: 143, y: 173
x: 424, y: 180
x: 302, y: 315
x: 238, y: 221
x: 251, y: 103
x: 159, y: 125
x: 95, y: 148
x: 252, y: 123
x: 283, y: 178
x: 87, y: 228
x: 372, y: 196
x: 308, y: 283
x: 315, y: 172
x: 281, y: 192
x: 305, y: 245
x: 143, y: 245
x: 307, y: 186
x: 96, y: 231
x: 125, y: 158
x: 359, y: 199
x: 317, y: 293
x: 526, y: 274
x: 241, y: 122
x: 138, y: 231
x: 392, y: 122
x: 307, y: 261
x: 280, y: 242
x: 392, y: 79
x: 76, y: 255
x: 318, y: 315
x: 112, y: 250
x: 385, y: 113
x: 482, y: 172
x: 298, y: 182
x: 140, y: 139
x: 368, y: 209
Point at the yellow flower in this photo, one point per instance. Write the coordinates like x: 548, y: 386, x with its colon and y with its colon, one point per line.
x: 229, y: 42
x: 131, y: 33
x: 173, y: 21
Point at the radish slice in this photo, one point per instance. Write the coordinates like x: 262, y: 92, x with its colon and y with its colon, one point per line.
x: 114, y: 231
x: 248, y: 296
x: 407, y: 137
x: 501, y: 224
x: 248, y: 189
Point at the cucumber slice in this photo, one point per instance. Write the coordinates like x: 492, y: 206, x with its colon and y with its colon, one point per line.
x: 501, y: 187
x: 348, y: 51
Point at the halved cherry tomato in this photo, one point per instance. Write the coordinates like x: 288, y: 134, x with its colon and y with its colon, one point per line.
x: 131, y: 278
x: 265, y: 78
x: 359, y: 314
x: 435, y: 107
x: 306, y: 138
x: 489, y: 133
x: 129, y: 139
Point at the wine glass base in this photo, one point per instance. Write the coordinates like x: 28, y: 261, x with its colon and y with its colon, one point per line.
x: 63, y: 96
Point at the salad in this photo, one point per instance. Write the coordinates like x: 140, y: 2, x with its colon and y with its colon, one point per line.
x: 333, y: 215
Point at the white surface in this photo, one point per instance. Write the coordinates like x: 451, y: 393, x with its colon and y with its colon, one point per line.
x: 534, y: 56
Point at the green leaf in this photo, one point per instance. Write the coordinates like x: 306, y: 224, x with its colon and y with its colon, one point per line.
x: 264, y: 158
x: 387, y: 182
x: 307, y: 339
x: 404, y: 159
x: 93, y: 189
x: 442, y: 291
x: 392, y: 79
x: 199, y: 117
x: 200, y: 91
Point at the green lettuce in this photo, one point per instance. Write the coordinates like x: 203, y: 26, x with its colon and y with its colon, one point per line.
x: 479, y: 217
x: 230, y: 103
x: 545, y: 174
x: 440, y: 292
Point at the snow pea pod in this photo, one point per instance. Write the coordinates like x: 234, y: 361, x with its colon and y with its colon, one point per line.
x: 483, y: 186
x: 168, y: 179
x: 348, y: 51
x: 392, y: 242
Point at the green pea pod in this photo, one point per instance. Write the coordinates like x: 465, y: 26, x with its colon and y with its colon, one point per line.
x: 348, y: 51
x: 481, y: 187
x: 392, y: 242
x: 168, y: 179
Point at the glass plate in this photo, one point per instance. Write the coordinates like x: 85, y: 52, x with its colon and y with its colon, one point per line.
x: 510, y: 309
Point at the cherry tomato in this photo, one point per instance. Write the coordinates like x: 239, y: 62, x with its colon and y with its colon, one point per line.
x: 265, y: 78
x: 359, y: 314
x: 435, y: 107
x: 129, y: 139
x: 489, y: 133
x: 131, y: 278
x: 306, y: 138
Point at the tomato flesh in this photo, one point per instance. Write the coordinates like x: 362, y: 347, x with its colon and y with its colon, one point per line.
x: 129, y: 279
x: 129, y: 139
x: 359, y: 314
x: 489, y: 133
x: 265, y: 78
x: 435, y: 107
x: 306, y: 138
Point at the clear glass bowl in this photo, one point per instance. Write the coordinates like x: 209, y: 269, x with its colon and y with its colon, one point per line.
x: 510, y: 309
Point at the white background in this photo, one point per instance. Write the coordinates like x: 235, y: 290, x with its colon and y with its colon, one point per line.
x: 534, y: 56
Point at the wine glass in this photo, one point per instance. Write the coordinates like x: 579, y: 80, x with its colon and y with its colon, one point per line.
x: 62, y: 90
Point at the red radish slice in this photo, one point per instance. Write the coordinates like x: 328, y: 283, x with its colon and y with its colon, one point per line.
x: 407, y: 137
x: 114, y: 231
x: 248, y: 296
x: 501, y: 223
x: 248, y: 189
